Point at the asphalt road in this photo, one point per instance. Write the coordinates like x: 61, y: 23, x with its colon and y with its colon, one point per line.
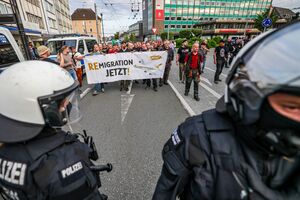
x: 131, y: 128
x: 131, y: 142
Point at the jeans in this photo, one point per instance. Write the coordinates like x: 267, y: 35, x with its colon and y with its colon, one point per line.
x: 203, y: 64
x: 98, y: 87
x: 192, y: 76
x: 181, y: 72
x: 73, y: 74
x: 219, y: 66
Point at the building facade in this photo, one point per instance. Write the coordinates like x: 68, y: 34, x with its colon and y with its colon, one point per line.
x: 137, y: 30
x: 41, y: 18
x: 84, y: 22
x: 177, y: 15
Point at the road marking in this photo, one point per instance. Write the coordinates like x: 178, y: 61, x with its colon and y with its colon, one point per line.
x: 215, y: 71
x: 206, y: 80
x: 185, y: 105
x: 85, y: 92
x: 126, y: 101
x: 130, y: 87
x: 217, y: 95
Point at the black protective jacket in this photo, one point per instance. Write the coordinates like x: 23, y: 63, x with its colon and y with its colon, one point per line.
x: 204, y: 159
x: 55, y: 166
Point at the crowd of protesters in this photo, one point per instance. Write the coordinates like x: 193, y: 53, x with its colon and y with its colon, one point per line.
x: 190, y: 61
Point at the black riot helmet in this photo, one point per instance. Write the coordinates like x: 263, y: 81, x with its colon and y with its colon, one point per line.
x: 267, y: 65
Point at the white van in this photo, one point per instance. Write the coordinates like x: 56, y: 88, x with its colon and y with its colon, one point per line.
x: 83, y: 44
x: 10, y: 52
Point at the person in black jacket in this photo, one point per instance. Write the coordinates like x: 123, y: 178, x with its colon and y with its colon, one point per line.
x: 248, y: 147
x: 220, y: 58
x: 170, y: 58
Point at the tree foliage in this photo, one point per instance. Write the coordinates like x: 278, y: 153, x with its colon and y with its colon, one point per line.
x: 164, y: 35
x: 117, y: 36
x: 197, y: 32
x: 132, y: 37
x: 260, y: 17
x: 185, y: 34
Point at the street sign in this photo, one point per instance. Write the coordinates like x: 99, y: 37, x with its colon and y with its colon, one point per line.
x: 7, y: 19
x: 267, y: 22
x: 154, y: 30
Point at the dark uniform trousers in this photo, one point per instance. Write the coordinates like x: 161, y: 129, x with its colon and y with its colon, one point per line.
x: 204, y: 159
x: 193, y: 75
x: 219, y: 68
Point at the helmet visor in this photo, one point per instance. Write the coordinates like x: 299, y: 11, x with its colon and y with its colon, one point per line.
x: 271, y: 65
x: 71, y: 106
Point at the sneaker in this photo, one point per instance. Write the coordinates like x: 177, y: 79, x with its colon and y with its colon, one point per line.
x: 155, y: 89
x: 160, y: 84
x: 95, y: 93
x: 166, y: 83
x: 219, y: 80
x: 186, y: 94
x: 147, y: 87
x: 197, y: 98
x: 216, y: 82
x: 102, y: 90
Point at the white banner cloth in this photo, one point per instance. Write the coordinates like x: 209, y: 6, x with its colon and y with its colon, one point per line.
x: 125, y: 66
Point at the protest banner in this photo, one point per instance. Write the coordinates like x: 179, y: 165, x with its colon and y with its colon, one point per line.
x: 125, y: 66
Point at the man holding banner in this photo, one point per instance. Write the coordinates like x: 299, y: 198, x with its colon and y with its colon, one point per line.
x: 170, y: 58
x: 124, y: 83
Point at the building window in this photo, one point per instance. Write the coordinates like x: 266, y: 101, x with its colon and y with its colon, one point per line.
x: 34, y: 2
x: 52, y: 23
x: 36, y: 19
x: 49, y: 7
x: 91, y: 30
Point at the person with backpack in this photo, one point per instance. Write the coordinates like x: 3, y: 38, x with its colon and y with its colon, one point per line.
x: 193, y: 70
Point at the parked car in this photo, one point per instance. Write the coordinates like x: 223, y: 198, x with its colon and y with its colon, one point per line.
x: 10, y: 51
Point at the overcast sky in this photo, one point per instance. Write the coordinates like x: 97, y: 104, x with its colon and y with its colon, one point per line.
x: 117, y: 14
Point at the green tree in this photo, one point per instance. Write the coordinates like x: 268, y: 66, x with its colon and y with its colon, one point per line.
x: 185, y: 34
x: 126, y: 38
x: 260, y: 17
x: 197, y: 32
x: 164, y: 35
x: 132, y: 37
x: 117, y: 36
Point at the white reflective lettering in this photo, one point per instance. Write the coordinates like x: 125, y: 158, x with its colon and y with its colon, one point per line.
x: 71, y: 170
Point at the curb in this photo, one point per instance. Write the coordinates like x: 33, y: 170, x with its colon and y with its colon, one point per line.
x: 85, y: 92
x: 185, y: 105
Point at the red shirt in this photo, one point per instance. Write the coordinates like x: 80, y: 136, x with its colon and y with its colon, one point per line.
x: 194, y: 63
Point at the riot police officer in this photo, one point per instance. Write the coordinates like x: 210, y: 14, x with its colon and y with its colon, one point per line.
x: 38, y: 160
x: 249, y: 146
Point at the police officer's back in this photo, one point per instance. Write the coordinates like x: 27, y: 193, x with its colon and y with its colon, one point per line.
x: 37, y: 159
x: 247, y: 148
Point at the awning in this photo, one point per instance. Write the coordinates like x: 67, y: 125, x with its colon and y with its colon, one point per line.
x: 28, y: 31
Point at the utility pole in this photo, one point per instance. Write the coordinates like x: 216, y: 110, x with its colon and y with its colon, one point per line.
x: 102, y: 28
x: 16, y: 13
x: 97, y: 24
